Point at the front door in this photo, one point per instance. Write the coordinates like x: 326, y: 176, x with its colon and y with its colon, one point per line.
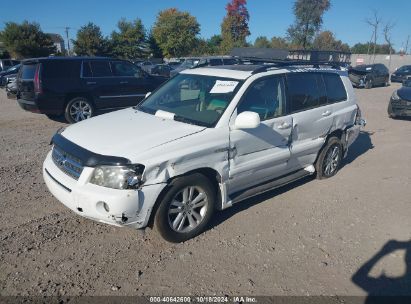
x: 260, y: 154
x: 134, y: 82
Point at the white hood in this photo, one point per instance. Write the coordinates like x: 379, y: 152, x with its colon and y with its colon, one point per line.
x: 126, y: 133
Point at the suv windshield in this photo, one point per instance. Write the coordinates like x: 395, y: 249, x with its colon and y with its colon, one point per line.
x: 195, y: 99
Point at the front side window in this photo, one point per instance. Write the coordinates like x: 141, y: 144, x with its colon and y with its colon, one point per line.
x: 125, y: 69
x: 265, y: 97
x: 195, y: 99
x: 303, y: 91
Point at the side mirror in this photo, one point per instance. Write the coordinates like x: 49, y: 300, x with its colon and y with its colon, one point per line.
x: 147, y: 94
x: 247, y: 120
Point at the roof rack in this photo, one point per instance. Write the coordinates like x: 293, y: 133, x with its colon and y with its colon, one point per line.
x: 314, y: 58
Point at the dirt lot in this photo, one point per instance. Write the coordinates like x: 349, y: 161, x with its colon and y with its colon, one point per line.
x: 308, y: 238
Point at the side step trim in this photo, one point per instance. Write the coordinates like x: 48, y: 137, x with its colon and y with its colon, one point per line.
x: 270, y: 185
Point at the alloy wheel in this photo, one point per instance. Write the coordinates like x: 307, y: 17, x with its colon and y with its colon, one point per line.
x: 332, y: 160
x: 187, y: 209
x: 80, y: 110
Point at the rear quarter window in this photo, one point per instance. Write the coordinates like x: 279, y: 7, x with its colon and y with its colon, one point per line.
x: 60, y: 69
x: 334, y: 87
x: 28, y: 71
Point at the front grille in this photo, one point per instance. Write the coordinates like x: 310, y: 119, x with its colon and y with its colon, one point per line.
x: 67, y: 163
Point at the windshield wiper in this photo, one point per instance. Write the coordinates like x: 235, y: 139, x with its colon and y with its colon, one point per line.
x: 190, y: 121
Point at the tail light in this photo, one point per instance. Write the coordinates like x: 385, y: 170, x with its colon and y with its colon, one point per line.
x: 37, y: 80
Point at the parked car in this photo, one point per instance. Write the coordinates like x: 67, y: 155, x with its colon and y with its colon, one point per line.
x: 11, y: 87
x: 5, y: 64
x: 11, y: 71
x: 205, y: 61
x: 401, y: 74
x: 162, y: 70
x: 368, y: 76
x: 77, y: 87
x: 400, y: 102
x: 187, y: 63
x: 205, y: 140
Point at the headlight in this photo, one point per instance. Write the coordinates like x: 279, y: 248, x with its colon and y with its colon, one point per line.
x: 395, y: 96
x: 118, y: 177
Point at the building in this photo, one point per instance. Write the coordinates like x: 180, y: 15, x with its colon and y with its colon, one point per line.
x: 58, y: 42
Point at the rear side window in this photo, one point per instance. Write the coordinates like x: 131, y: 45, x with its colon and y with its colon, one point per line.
x: 304, y: 91
x: 334, y: 87
x: 100, y: 69
x: 28, y: 71
x: 60, y: 69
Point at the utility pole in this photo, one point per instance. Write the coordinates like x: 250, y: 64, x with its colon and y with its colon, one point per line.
x: 406, y: 45
x: 68, y: 40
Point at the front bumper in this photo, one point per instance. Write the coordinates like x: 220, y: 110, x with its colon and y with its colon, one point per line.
x: 399, y: 108
x: 130, y: 208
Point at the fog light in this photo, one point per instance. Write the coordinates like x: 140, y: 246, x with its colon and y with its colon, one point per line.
x: 106, y: 207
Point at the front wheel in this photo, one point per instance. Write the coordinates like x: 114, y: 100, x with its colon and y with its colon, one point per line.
x: 329, y: 159
x: 186, y: 208
x: 78, y: 109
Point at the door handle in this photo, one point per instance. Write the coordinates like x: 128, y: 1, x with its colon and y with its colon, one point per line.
x: 91, y: 82
x: 326, y: 113
x: 123, y: 82
x: 284, y: 125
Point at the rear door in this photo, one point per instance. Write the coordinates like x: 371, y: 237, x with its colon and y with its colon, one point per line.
x: 105, y: 87
x: 135, y: 83
x: 312, y: 116
x: 25, y: 82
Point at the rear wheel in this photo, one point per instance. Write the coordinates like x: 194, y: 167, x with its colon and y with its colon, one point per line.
x: 368, y: 84
x: 78, y: 109
x: 329, y: 159
x: 186, y: 208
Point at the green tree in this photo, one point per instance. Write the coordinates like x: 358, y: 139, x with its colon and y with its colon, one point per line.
x: 26, y: 40
x: 234, y: 29
x: 176, y: 32
x: 278, y: 43
x: 154, y: 48
x: 128, y: 42
x: 214, y: 44
x: 308, y: 20
x: 261, y: 42
x: 90, y: 41
x: 325, y: 41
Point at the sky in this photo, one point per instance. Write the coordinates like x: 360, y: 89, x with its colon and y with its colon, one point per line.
x: 346, y: 18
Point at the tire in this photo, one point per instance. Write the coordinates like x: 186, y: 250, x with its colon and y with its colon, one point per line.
x: 331, y: 155
x: 175, y: 220
x: 368, y: 84
x: 78, y: 109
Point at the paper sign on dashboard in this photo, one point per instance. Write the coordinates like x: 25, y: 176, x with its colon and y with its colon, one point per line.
x: 223, y: 86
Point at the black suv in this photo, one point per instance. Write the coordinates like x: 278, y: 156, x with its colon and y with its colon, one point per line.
x: 368, y: 76
x: 79, y: 86
x: 401, y: 74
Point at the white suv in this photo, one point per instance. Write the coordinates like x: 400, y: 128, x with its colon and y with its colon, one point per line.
x: 205, y: 140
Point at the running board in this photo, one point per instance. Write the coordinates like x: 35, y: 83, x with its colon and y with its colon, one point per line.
x: 270, y: 185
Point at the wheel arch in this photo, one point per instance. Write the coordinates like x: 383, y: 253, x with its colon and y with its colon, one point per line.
x: 211, y: 174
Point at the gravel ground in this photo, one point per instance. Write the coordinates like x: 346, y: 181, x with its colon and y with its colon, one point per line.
x: 308, y: 238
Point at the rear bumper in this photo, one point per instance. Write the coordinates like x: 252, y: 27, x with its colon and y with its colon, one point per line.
x: 28, y: 105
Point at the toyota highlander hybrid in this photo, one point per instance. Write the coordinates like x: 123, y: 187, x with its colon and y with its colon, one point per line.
x: 205, y: 140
